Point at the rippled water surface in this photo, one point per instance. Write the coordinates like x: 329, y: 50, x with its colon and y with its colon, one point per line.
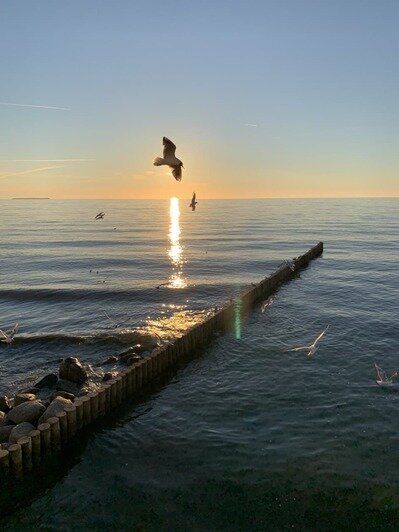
x: 246, y: 436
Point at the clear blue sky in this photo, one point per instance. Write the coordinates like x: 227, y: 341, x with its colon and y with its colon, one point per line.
x: 318, y: 81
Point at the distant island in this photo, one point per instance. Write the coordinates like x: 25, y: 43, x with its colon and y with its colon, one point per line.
x: 28, y: 198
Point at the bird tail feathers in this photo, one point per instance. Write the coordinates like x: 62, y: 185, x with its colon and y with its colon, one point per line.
x: 159, y: 161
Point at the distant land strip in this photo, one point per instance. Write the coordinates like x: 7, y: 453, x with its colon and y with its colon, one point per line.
x: 28, y: 198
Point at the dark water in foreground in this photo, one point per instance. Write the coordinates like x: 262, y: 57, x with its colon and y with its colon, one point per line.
x: 247, y: 436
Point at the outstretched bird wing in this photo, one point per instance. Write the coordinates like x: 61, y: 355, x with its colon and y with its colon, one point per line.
x: 303, y: 348
x: 168, y: 148
x: 320, y: 336
x: 194, y: 196
x: 177, y: 173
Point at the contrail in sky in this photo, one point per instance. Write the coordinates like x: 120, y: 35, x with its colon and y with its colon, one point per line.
x: 43, y: 160
x: 252, y: 125
x: 35, y: 106
x: 26, y: 172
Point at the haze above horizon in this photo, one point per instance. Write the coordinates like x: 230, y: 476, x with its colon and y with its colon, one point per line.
x: 263, y: 99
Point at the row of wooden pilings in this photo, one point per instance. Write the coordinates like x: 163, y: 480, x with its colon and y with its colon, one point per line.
x: 51, y: 437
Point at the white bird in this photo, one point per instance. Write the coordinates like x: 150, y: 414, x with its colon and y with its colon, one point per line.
x: 170, y: 159
x: 312, y: 348
x: 266, y: 304
x: 193, y: 202
x: 289, y: 263
x: 382, y: 376
x: 8, y: 336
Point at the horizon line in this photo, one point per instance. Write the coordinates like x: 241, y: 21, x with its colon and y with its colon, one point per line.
x: 218, y: 198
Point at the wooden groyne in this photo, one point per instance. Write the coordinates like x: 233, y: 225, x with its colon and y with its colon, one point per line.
x: 54, y: 435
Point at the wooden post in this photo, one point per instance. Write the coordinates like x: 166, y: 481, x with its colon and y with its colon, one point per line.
x: 114, y: 400
x: 86, y: 409
x: 45, y: 438
x: 4, y: 464
x: 36, y: 447
x: 55, y: 434
x: 16, y: 464
x: 63, y: 419
x: 26, y: 447
x: 79, y: 413
x: 107, y: 388
x: 93, y: 396
x: 139, y: 375
x: 70, y: 411
x: 101, y: 401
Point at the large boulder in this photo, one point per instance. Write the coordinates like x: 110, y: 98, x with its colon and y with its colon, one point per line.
x: 24, y: 398
x: 5, y: 433
x: 6, y: 403
x: 72, y: 370
x: 19, y: 431
x: 56, y: 407
x: 3, y: 419
x: 65, y: 395
x: 109, y: 376
x: 29, y: 411
x: 49, y: 381
x: 110, y: 360
x: 67, y: 386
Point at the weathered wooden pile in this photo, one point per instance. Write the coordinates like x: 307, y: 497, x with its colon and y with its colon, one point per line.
x: 63, y: 418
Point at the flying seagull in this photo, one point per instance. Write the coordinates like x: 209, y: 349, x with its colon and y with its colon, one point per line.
x: 7, y: 337
x: 312, y: 348
x: 170, y: 159
x: 382, y: 376
x: 99, y: 216
x: 266, y: 304
x: 193, y: 202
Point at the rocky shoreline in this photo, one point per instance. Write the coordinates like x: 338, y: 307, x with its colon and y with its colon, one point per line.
x: 24, y: 412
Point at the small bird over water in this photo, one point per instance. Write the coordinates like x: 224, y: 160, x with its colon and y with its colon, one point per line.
x: 7, y: 337
x: 169, y: 159
x: 382, y: 377
x: 193, y: 202
x: 99, y: 216
x: 312, y: 348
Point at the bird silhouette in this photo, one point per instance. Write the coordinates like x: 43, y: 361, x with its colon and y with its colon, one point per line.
x: 169, y: 159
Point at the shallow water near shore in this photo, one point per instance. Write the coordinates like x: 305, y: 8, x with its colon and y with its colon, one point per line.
x: 246, y: 436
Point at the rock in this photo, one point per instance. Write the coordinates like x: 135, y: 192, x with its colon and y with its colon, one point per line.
x: 65, y: 395
x: 24, y: 398
x: 5, y: 433
x: 30, y: 411
x: 32, y: 390
x: 132, y: 360
x: 109, y: 376
x: 88, y: 387
x: 72, y: 370
x: 49, y: 381
x: 3, y: 419
x: 19, y: 431
x: 56, y: 407
x: 110, y: 360
x: 5, y: 403
x: 67, y: 386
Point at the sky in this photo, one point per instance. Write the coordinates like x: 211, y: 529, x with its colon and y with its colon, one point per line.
x: 263, y: 98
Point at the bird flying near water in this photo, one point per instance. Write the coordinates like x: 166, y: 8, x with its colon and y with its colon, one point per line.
x: 7, y: 337
x: 99, y: 216
x: 312, y: 348
x: 266, y: 304
x: 169, y: 159
x: 382, y: 377
x: 193, y: 202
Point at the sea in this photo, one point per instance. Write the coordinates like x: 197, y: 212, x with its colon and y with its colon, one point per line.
x: 247, y: 435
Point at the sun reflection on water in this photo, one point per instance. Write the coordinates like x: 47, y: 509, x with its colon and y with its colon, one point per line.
x: 175, y: 252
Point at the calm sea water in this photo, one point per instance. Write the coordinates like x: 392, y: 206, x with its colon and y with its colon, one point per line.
x: 246, y: 436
